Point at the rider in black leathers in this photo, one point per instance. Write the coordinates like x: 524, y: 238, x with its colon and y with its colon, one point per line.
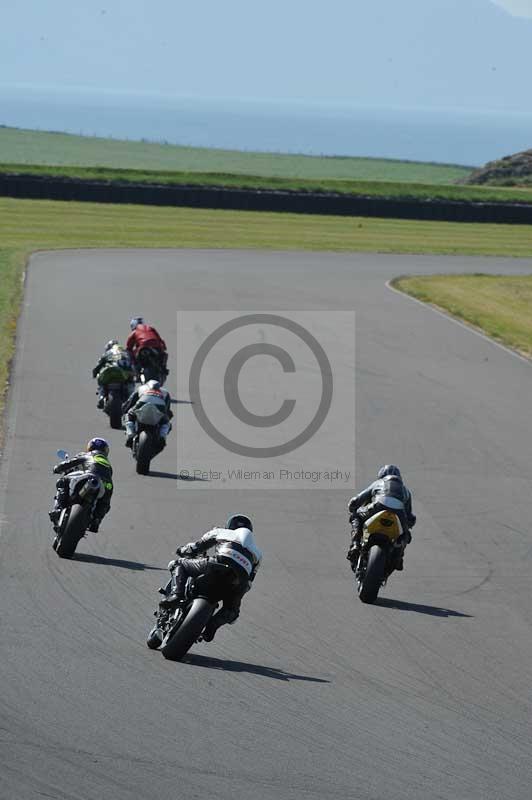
x: 389, y: 483
x: 235, y: 550
x: 93, y: 460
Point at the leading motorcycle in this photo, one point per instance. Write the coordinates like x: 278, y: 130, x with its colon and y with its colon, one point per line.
x: 381, y: 546
x: 84, y: 490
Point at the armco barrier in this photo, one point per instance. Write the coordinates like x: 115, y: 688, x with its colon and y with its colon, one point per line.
x: 29, y: 186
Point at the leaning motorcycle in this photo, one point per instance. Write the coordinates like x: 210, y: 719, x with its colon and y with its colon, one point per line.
x: 118, y: 386
x: 84, y: 491
x: 382, y: 544
x: 147, y: 442
x: 177, y: 630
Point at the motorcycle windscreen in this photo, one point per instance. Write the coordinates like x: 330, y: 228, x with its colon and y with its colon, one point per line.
x: 393, y: 503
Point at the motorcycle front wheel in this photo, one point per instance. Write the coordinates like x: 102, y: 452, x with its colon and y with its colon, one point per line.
x: 178, y: 643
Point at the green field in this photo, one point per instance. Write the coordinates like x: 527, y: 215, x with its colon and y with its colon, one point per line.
x: 499, y: 306
x: 38, y: 147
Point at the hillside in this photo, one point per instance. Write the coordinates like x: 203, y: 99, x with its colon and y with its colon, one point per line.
x: 18, y: 146
x: 514, y: 170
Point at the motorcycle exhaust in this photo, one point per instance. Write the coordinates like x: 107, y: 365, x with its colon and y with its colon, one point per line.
x: 90, y: 486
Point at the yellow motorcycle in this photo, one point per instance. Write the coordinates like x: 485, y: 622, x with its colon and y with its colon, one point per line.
x: 382, y: 545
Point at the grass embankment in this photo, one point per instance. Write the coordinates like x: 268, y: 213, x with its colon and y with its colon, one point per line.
x: 374, y: 188
x: 11, y: 270
x: 28, y: 225
x: 499, y: 306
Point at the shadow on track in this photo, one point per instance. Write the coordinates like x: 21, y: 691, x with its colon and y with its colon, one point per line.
x: 175, y: 402
x: 88, y: 558
x: 176, y: 476
x: 241, y: 666
x: 433, y: 611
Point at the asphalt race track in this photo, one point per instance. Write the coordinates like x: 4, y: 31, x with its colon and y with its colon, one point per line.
x: 311, y: 694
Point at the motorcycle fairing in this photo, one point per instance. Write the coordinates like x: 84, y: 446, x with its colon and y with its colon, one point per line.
x: 149, y: 414
x: 385, y: 523
x: 393, y: 503
x: 75, y: 478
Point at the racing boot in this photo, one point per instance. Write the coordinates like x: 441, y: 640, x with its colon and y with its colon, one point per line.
x: 356, y: 536
x: 101, y: 397
x: 354, y: 549
x: 59, y: 504
x: 171, y: 599
x: 130, y: 433
x: 212, y: 626
x: 399, y: 560
x: 224, y: 617
x: 209, y: 633
x: 171, y: 602
x: 54, y: 515
x: 94, y: 525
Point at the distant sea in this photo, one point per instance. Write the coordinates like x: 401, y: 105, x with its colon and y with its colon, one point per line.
x: 452, y: 136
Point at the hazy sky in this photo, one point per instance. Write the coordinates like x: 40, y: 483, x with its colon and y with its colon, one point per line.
x: 400, y: 53
x: 519, y: 8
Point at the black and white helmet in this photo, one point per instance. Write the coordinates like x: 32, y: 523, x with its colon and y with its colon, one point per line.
x: 236, y: 521
x: 110, y: 343
x: 389, y: 470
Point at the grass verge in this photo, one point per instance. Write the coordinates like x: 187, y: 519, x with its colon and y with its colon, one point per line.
x: 28, y: 225
x: 47, y: 224
x: 11, y: 271
x: 499, y: 306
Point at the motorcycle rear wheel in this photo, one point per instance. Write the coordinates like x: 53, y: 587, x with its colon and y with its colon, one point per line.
x: 144, y: 454
x: 75, y: 527
x: 114, y: 409
x: 374, y: 577
x: 179, y: 643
